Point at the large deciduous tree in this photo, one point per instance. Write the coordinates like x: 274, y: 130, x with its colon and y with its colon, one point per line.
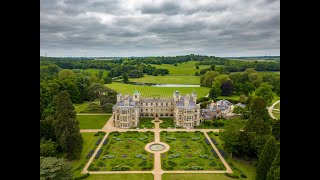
x: 208, y: 78
x: 265, y: 91
x: 266, y: 158
x: 54, y: 168
x: 212, y: 93
x: 66, y: 127
x: 125, y: 78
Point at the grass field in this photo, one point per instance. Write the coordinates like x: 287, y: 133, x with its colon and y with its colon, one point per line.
x: 92, y: 121
x: 89, y: 141
x: 188, y: 176
x: 148, y: 176
x: 188, y: 68
x: 152, y: 91
x: 277, y: 106
x: 82, y: 106
x: 124, y: 151
x: 94, y: 71
x: 188, y: 151
x: 276, y: 114
x: 168, y: 79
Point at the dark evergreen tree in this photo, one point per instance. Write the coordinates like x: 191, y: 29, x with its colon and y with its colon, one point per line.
x: 66, y: 127
x: 276, y: 129
x: 274, y: 171
x: 266, y: 158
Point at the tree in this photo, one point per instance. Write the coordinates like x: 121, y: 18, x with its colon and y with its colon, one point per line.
x: 197, y: 66
x: 265, y: 91
x: 258, y: 109
x: 107, y: 80
x: 125, y: 78
x: 276, y: 129
x: 266, y: 158
x: 213, y: 67
x: 66, y: 127
x: 238, y: 110
x: 242, y: 98
x: 209, y: 76
x: 227, y: 88
x: 212, y: 93
x: 231, y: 134
x: 274, y: 171
x: 256, y: 79
x: 54, y: 168
x: 48, y: 148
x: 100, y: 74
x: 66, y: 74
x: 196, y: 73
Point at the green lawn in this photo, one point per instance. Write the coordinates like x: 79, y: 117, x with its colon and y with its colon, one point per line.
x: 187, y: 68
x: 167, y: 122
x: 124, y: 151
x: 148, y: 176
x: 89, y: 141
x: 276, y: 114
x: 188, y: 176
x: 168, y: 79
x: 188, y: 151
x: 82, y: 106
x: 146, y: 123
x: 94, y: 71
x: 92, y: 121
x: 277, y: 106
x: 152, y: 91
x: 234, y: 97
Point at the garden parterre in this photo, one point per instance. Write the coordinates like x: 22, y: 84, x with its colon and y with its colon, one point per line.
x: 189, y: 151
x: 124, y: 152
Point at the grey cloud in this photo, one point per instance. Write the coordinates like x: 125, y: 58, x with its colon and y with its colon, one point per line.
x: 139, y: 28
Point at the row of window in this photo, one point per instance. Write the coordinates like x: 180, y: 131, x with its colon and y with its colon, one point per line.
x: 154, y: 110
x: 156, y: 104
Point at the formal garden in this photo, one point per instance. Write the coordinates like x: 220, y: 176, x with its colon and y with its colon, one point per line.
x: 189, y: 151
x: 123, y: 152
x: 167, y: 123
x: 146, y: 123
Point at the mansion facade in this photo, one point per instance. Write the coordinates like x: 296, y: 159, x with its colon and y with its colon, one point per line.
x: 183, y: 109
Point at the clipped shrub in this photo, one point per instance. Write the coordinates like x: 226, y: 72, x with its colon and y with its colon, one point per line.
x: 143, y: 163
x: 171, y: 163
x: 243, y: 175
x: 212, y: 164
x: 101, y: 164
x: 83, y: 176
x: 232, y: 175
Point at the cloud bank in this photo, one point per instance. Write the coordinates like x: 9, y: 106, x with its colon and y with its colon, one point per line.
x: 159, y: 27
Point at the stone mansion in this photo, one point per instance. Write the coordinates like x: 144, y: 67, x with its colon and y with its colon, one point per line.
x: 184, y: 109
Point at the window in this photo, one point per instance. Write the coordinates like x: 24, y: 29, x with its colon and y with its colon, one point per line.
x: 136, y: 96
x: 141, y: 110
x: 123, y: 112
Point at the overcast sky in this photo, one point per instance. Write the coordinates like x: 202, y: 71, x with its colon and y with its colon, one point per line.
x: 159, y: 27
